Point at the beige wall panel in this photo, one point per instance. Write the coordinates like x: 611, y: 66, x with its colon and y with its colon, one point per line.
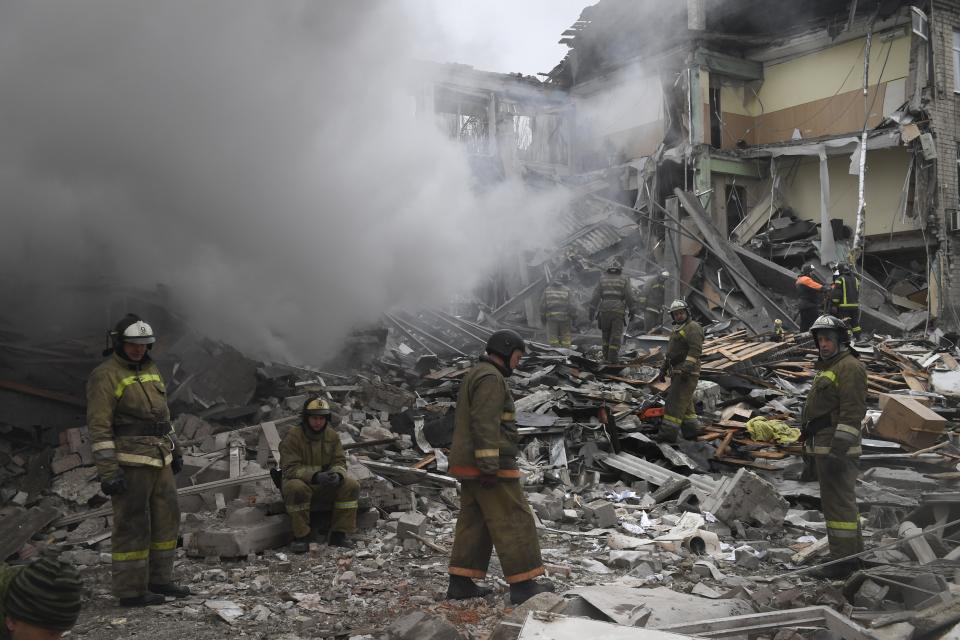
x: 886, y: 170
x: 825, y: 73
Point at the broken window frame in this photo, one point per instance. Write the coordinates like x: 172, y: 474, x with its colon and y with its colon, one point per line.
x: 956, y: 60
x: 919, y: 23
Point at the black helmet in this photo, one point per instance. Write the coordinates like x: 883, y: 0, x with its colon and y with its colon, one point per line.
x: 843, y: 268
x: 806, y: 269
x: 504, y: 343
x: 832, y: 324
x: 615, y: 265
x: 563, y: 277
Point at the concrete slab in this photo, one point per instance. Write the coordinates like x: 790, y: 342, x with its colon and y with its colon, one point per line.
x: 236, y: 542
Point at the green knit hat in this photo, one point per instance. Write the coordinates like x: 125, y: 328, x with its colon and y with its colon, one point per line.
x: 45, y: 593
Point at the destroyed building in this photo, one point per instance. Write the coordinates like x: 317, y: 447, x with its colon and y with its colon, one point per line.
x: 717, y: 139
x: 758, y: 116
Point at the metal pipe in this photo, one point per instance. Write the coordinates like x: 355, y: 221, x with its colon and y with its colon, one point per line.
x: 458, y: 327
x: 432, y: 337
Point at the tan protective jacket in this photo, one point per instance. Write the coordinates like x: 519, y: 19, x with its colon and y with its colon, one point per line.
x: 685, y: 348
x: 128, y: 417
x: 485, y: 429
x: 304, y: 452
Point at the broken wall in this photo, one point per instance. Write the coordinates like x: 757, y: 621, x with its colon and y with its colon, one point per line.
x: 820, y: 93
x: 618, y: 118
x: 886, y: 171
x: 941, y: 104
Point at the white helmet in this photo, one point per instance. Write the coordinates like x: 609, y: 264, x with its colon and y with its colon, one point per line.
x: 678, y: 305
x: 138, y: 333
x: 664, y: 275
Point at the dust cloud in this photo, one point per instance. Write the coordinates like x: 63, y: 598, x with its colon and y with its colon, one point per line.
x: 261, y: 161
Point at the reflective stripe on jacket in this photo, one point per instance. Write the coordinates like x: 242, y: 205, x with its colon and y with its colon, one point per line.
x: 613, y: 293
x: 837, y: 400
x: 556, y: 303
x: 485, y: 429
x: 304, y: 452
x: 686, y: 347
x: 123, y: 397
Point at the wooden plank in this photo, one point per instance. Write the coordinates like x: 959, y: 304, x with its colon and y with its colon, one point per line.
x: 808, y: 552
x: 949, y: 360
x: 425, y: 461
x: 722, y: 449
x: 29, y: 390
x: 17, y: 529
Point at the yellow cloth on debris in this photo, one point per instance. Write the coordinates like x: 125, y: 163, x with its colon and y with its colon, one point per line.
x: 763, y: 430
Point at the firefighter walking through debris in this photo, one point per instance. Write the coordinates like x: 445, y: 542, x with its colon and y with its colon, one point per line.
x: 557, y: 311
x: 810, y: 292
x: 831, y: 420
x: 315, y: 477
x: 651, y: 299
x: 494, y: 512
x: 136, y: 454
x: 682, y: 365
x: 611, y: 304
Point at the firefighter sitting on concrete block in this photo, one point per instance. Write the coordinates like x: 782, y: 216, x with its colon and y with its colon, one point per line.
x: 315, y: 477
x: 682, y: 364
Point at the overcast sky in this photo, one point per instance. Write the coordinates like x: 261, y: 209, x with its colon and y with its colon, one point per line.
x: 496, y: 35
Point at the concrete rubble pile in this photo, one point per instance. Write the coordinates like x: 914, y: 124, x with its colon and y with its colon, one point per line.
x: 636, y: 532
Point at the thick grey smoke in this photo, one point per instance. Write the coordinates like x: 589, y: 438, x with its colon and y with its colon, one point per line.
x: 260, y: 159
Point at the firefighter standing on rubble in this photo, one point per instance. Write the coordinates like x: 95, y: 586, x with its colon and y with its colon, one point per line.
x: 682, y: 364
x: 315, y: 477
x: 494, y: 512
x: 810, y: 292
x: 651, y: 300
x: 136, y: 453
x: 844, y: 300
x: 557, y: 311
x: 611, y: 303
x: 831, y: 418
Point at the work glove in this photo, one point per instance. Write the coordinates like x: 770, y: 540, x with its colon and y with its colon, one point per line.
x: 841, y: 442
x: 115, y: 485
x: 487, y: 480
x: 176, y: 465
x: 326, y: 478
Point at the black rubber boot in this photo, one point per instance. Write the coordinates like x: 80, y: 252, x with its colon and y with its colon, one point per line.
x: 520, y: 592
x: 462, y: 588
x: 145, y: 600
x: 339, y: 539
x: 170, y: 589
x: 838, y: 571
x: 300, y: 545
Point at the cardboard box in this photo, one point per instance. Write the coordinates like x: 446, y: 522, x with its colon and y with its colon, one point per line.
x: 924, y: 400
x: 908, y: 422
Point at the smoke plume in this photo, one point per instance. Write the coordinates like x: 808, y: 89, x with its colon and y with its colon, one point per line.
x: 261, y: 160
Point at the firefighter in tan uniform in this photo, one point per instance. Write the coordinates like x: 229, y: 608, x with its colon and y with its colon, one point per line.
x: 315, y: 477
x: 611, y: 304
x: 136, y: 454
x: 494, y: 512
x: 651, y: 300
x: 682, y: 364
x: 831, y: 419
x: 556, y: 310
